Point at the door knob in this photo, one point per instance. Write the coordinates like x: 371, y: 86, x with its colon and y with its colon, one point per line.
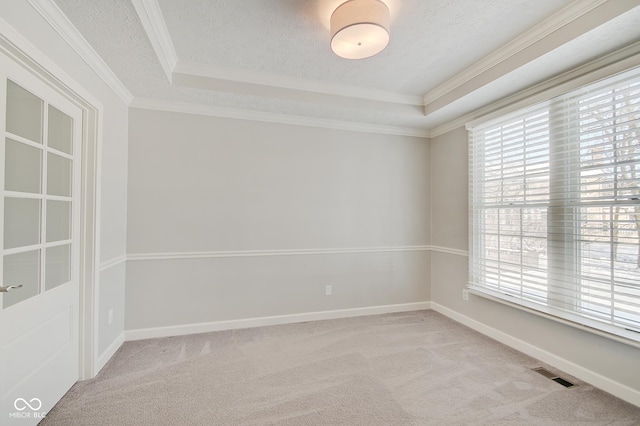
x: 9, y: 287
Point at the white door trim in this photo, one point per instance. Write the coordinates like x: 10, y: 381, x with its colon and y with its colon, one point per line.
x: 16, y: 47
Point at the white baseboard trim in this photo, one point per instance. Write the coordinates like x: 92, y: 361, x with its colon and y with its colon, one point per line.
x: 181, y: 330
x: 620, y: 390
x: 104, y: 357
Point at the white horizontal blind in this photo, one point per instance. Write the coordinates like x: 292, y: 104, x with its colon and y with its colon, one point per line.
x: 555, y: 206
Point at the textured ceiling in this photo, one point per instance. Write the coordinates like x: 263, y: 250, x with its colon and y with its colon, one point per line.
x: 431, y: 42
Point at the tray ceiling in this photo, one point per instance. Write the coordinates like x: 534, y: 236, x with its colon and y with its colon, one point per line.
x: 272, y: 58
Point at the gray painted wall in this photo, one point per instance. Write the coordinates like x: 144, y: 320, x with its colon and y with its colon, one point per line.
x: 616, y: 361
x: 111, y: 294
x: 206, y: 184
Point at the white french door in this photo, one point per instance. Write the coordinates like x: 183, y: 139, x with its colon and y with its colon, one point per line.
x: 40, y: 133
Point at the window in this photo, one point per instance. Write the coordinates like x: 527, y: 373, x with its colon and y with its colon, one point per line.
x: 555, y: 206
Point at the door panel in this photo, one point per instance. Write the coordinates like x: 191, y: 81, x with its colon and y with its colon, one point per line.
x: 23, y: 268
x: 22, y: 217
x: 54, y: 333
x: 23, y: 164
x: 39, y: 218
x: 58, y: 175
x: 58, y: 266
x: 23, y: 112
x: 60, y: 131
x: 58, y: 219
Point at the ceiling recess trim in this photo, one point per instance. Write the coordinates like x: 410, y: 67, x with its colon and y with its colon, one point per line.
x: 61, y: 24
x: 615, y: 62
x: 562, y: 18
x: 268, y: 117
x: 283, y: 82
x: 156, y: 28
x: 150, y: 15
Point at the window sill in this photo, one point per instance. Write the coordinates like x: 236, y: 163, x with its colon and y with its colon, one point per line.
x: 627, y: 337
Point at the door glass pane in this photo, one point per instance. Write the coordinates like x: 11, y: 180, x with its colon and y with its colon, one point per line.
x: 22, y: 167
x: 21, y: 222
x: 24, y: 113
x: 22, y: 268
x: 58, y: 220
x: 58, y: 175
x: 60, y: 130
x: 57, y: 266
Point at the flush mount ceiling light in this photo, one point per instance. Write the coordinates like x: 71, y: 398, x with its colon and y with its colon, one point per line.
x: 360, y: 28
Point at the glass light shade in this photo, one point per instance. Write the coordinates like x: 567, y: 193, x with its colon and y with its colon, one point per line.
x: 360, y: 29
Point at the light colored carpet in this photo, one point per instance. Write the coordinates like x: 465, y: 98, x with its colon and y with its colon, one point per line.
x: 416, y: 368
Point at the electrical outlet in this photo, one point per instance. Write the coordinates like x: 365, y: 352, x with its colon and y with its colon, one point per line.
x: 328, y: 290
x: 110, y: 316
x: 465, y: 294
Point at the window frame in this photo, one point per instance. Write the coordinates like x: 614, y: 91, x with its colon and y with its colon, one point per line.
x: 568, y: 312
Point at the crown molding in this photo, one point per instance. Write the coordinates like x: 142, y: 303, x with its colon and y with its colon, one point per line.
x: 154, y: 25
x: 269, y: 117
x: 602, y: 67
x: 61, y: 24
x: 254, y: 78
x: 19, y: 49
x: 213, y: 77
x: 564, y: 17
